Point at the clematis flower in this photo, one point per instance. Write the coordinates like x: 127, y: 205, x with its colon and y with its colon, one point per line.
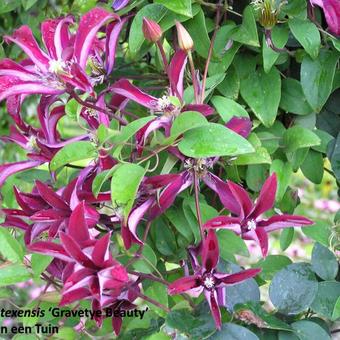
x: 147, y: 197
x: 206, y: 279
x: 90, y: 271
x: 331, y: 9
x: 167, y: 107
x: 248, y: 222
x: 63, y: 64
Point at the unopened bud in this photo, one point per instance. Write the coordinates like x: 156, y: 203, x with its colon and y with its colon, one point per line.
x: 184, y: 39
x: 152, y: 31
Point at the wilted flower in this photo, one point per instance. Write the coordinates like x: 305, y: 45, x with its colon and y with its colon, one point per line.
x: 249, y: 223
x: 206, y: 279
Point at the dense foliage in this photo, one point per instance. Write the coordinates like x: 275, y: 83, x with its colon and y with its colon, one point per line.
x: 148, y: 148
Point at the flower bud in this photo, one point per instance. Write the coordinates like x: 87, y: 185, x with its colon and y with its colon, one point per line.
x: 184, y: 39
x: 152, y: 31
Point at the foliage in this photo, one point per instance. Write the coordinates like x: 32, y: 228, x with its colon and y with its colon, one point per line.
x: 150, y: 150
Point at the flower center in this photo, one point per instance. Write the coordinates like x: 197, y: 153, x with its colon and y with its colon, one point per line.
x: 200, y: 166
x: 57, y: 66
x: 251, y: 225
x: 32, y: 143
x: 209, y: 282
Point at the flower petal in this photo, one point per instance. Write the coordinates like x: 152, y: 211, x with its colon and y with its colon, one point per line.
x: 242, y: 198
x: 205, y: 109
x: 89, y: 25
x: 74, y: 295
x: 210, y: 251
x: 222, y: 190
x: 243, y: 275
x: 77, y: 227
x: 176, y: 72
x: 284, y: 221
x: 51, y: 197
x: 10, y: 68
x: 112, y: 38
x: 24, y: 38
x: 119, y: 4
x: 184, y: 284
x: 125, y: 88
x: 8, y: 169
x: 211, y: 297
x: 240, y: 125
x: 266, y: 198
x: 224, y: 222
x: 101, y: 250
x: 51, y: 249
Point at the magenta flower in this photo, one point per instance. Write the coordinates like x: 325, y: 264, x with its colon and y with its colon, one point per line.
x: 165, y: 106
x: 63, y: 64
x: 90, y: 272
x: 249, y: 223
x: 146, y: 199
x: 207, y: 280
x: 331, y: 8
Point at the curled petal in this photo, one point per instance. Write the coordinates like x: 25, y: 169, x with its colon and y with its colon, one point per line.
x: 184, y: 284
x: 240, y: 125
x: 205, y: 109
x: 160, y: 181
x: 176, y: 72
x: 125, y: 88
x: 24, y: 38
x: 10, y: 86
x: 8, y: 169
x: 10, y: 68
x: 74, y: 295
x: 77, y: 227
x: 112, y: 38
x: 89, y: 25
x: 284, y: 221
x: 222, y: 190
x: 210, y: 251
x: 101, y: 252
x: 224, y: 222
x: 119, y: 4
x: 51, y: 249
x: 260, y: 236
x: 266, y: 198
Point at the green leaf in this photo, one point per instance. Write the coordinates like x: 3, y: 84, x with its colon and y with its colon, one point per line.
x: 320, y: 231
x: 39, y: 263
x: 73, y: 152
x: 247, y: 32
x: 306, y: 34
x: 100, y: 179
x: 307, y: 330
x: 182, y: 7
x: 165, y: 239
x: 326, y: 298
x: 130, y: 130
x: 334, y: 156
x: 72, y: 109
x: 317, y: 78
x: 293, y: 99
x: 9, y: 5
x: 286, y: 238
x: 177, y: 218
x: 280, y: 38
x: 228, y: 108
x: 186, y: 121
x: 13, y: 273
x: 154, y: 12
x: 260, y: 156
x: 230, y: 243
x: 312, y: 166
x: 27, y: 4
x: 325, y: 139
x: 10, y: 248
x: 293, y: 288
x: 283, y: 172
x: 271, y: 265
x: 234, y: 332
x: 324, y: 262
x: 262, y: 92
x: 298, y: 137
x: 147, y: 263
x: 336, y: 310
x: 230, y: 86
x: 124, y: 186
x: 158, y: 292
x: 213, y: 140
x: 198, y: 32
